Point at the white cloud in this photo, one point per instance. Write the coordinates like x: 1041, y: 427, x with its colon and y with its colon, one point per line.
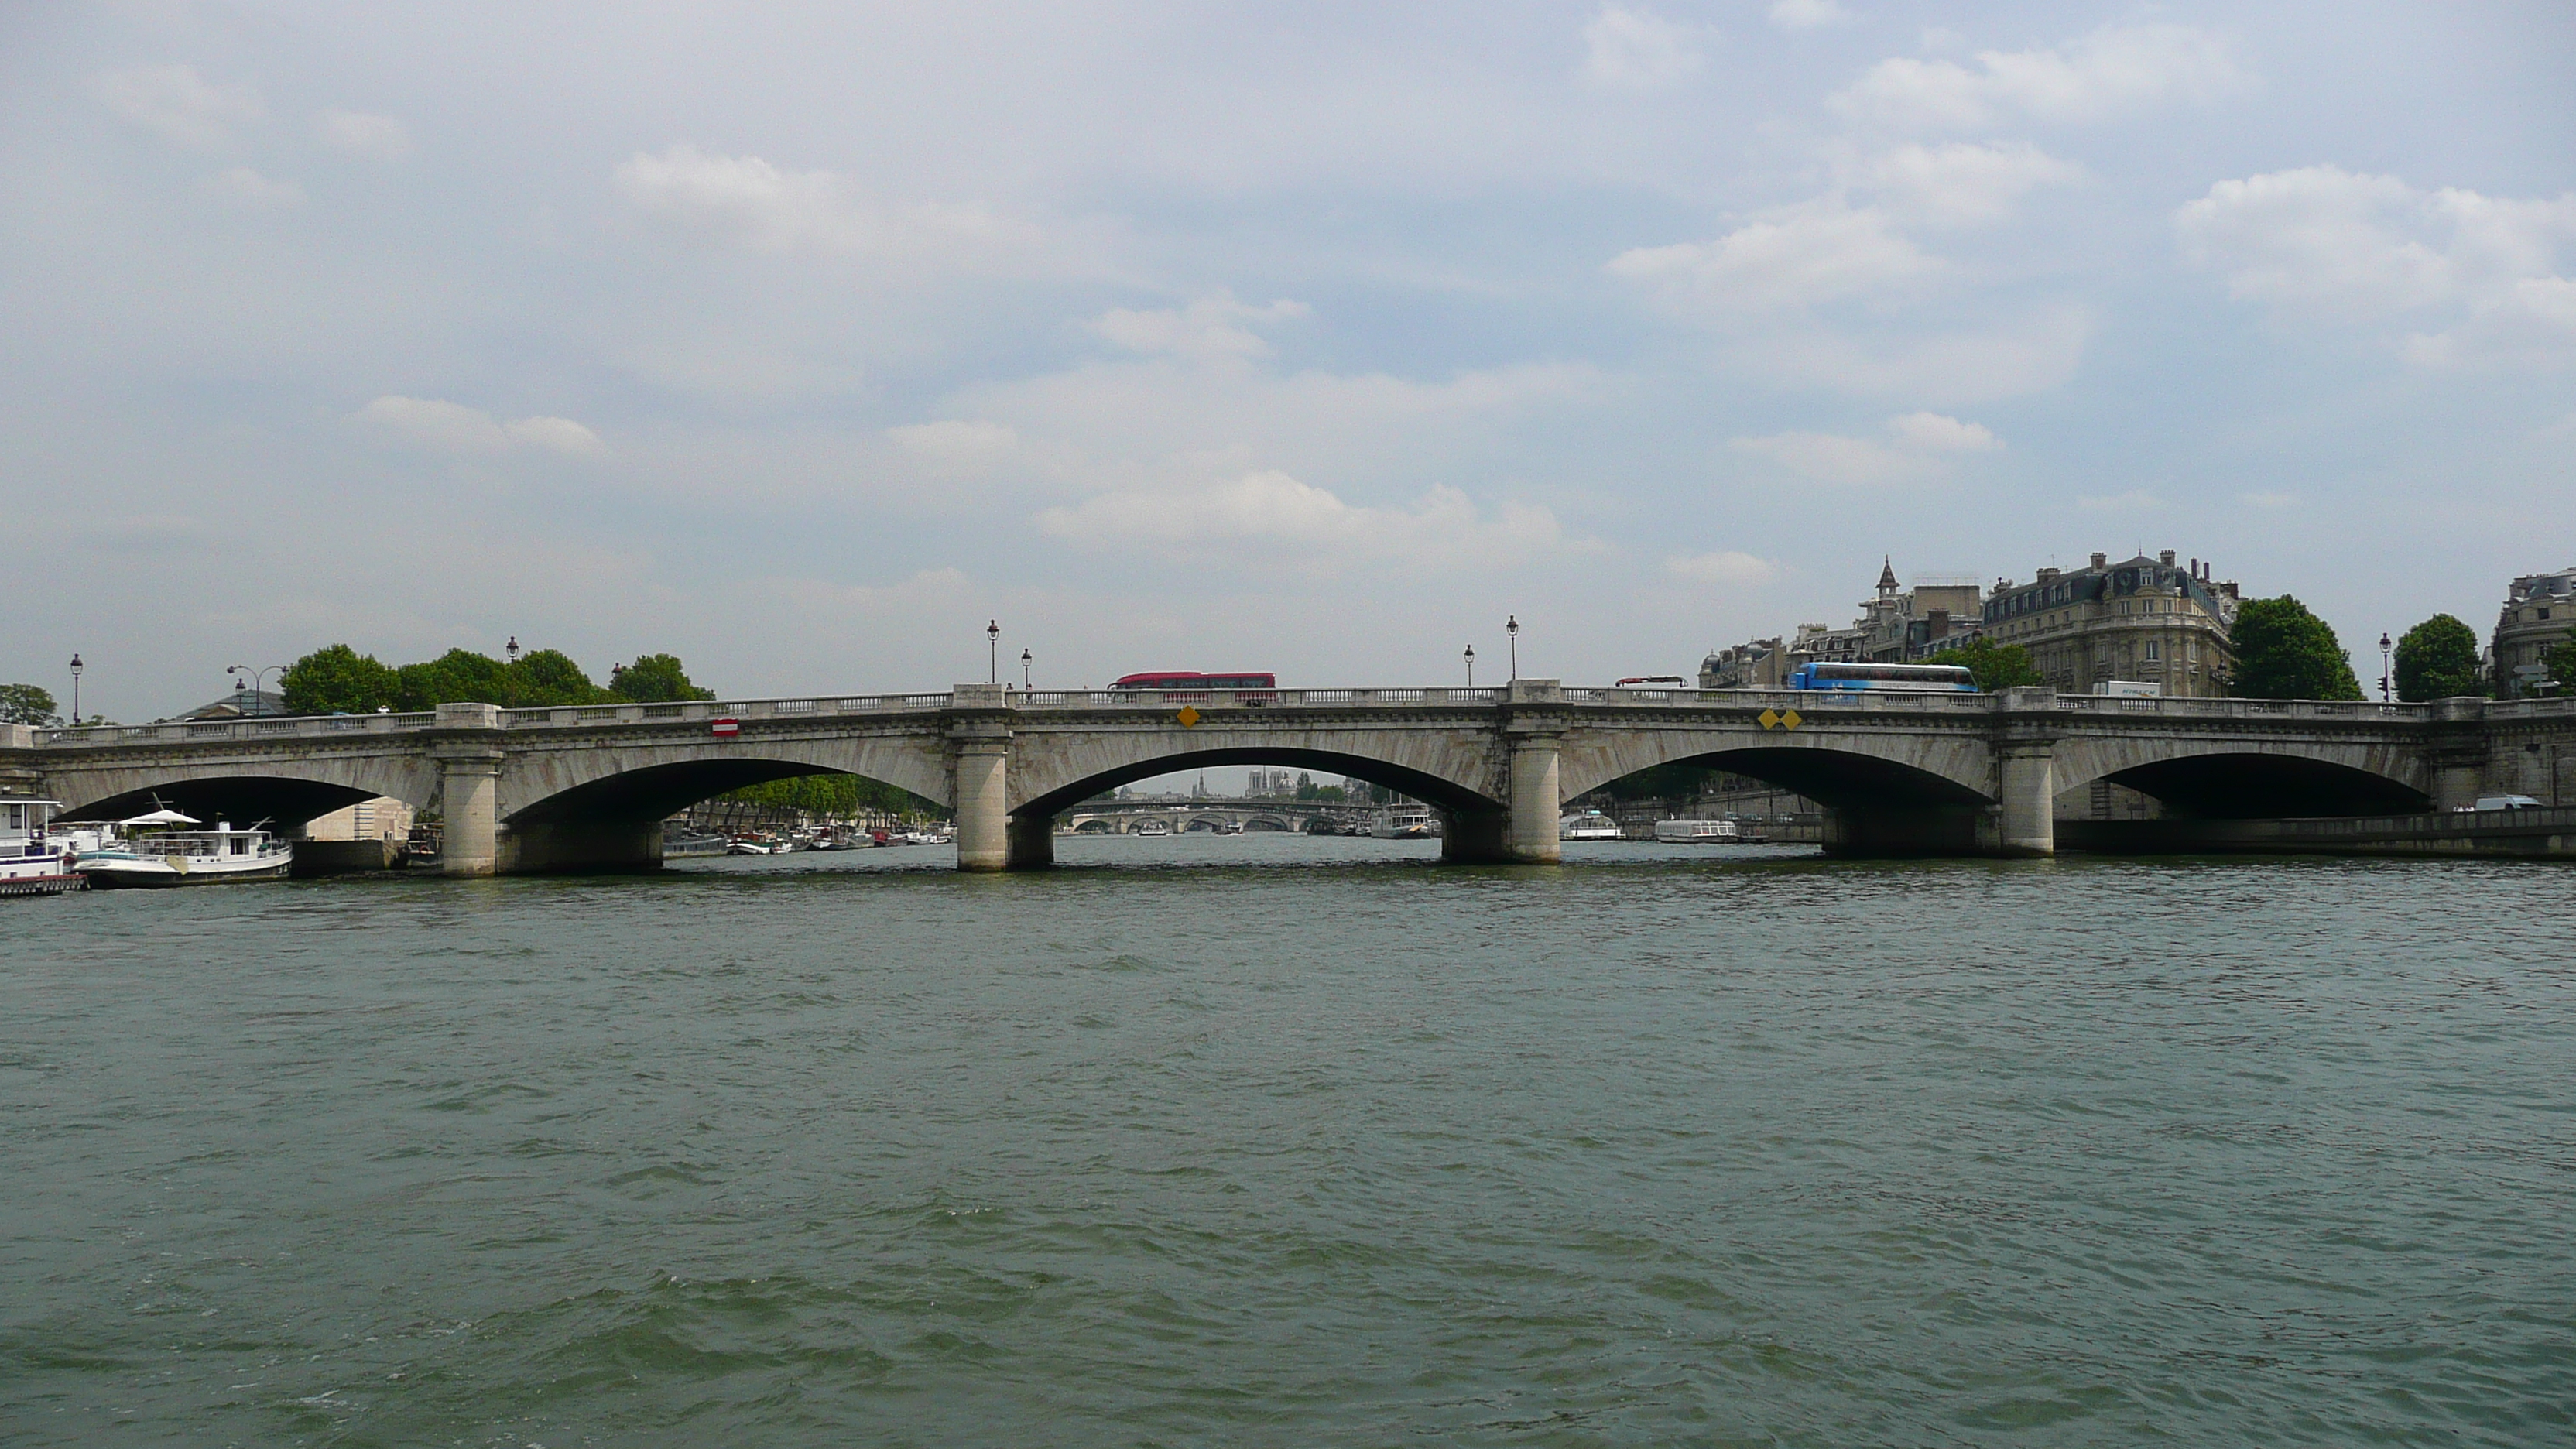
x: 1933, y: 433
x: 760, y: 206
x: 380, y: 138
x: 242, y: 186
x: 956, y: 444
x: 180, y: 105
x: 440, y: 426
x: 1807, y: 14
x: 1275, y: 510
x: 1961, y: 184
x: 1922, y: 445
x: 1727, y: 569
x: 2484, y: 274
x: 557, y: 435
x: 1633, y: 50
x: 2135, y: 500
x: 1794, y: 257
x: 2008, y: 357
x: 1208, y: 330
x: 2112, y: 71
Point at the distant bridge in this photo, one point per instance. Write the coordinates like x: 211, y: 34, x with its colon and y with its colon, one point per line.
x: 583, y: 787
x: 1121, y: 817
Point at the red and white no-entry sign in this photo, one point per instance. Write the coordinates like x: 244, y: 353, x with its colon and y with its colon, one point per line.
x: 724, y: 728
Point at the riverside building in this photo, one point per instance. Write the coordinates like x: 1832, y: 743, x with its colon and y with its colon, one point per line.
x: 2539, y: 614
x: 2145, y: 619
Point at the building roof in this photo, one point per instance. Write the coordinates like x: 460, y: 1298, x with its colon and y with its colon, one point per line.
x: 238, y: 703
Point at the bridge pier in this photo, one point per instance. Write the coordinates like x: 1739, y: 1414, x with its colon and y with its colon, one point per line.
x: 1031, y: 844
x: 470, y: 786
x: 2026, y: 773
x: 1535, y: 728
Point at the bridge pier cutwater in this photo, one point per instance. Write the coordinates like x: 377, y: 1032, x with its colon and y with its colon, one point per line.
x: 585, y: 787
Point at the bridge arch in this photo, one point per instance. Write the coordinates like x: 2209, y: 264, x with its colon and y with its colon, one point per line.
x: 286, y: 792
x: 2223, y: 780
x: 1044, y: 781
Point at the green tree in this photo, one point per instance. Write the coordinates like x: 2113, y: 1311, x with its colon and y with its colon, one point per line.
x: 2561, y: 663
x: 834, y: 795
x: 457, y: 676
x: 2438, y: 659
x: 2285, y: 652
x: 1996, y: 666
x: 337, y: 679
x: 26, y: 704
x: 544, y: 677
x: 654, y: 679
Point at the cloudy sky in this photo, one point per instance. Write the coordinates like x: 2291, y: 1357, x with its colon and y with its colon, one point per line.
x: 1315, y: 337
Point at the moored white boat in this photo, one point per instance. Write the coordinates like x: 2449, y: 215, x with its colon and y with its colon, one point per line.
x: 1404, y: 822
x: 1152, y: 827
x: 1590, y: 825
x: 166, y: 848
x: 1699, y: 832
x: 32, y: 862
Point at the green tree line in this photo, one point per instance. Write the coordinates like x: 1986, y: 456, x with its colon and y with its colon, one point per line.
x: 842, y: 795
x: 337, y: 679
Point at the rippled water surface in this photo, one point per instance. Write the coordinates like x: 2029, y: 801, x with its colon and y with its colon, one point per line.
x: 1261, y: 1141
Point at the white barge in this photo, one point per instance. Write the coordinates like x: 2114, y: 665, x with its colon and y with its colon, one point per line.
x: 166, y: 848
x: 33, y: 863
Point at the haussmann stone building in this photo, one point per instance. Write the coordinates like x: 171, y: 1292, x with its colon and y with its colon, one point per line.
x: 2539, y: 614
x: 2149, y: 620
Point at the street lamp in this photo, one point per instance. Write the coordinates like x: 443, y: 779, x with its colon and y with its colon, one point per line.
x: 1471, y: 666
x: 1512, y: 631
x: 256, y: 675
x: 1026, y: 659
x: 993, y: 651
x: 512, y: 649
x: 2384, y: 670
x: 77, y: 667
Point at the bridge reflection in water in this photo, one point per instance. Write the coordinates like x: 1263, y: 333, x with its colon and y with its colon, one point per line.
x: 584, y: 788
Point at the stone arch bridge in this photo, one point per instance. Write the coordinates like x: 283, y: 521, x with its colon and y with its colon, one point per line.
x: 585, y: 787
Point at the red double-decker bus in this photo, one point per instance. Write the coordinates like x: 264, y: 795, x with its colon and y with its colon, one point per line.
x: 1192, y: 679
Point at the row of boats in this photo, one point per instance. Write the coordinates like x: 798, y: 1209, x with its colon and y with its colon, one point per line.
x: 1593, y: 825
x: 160, y: 848
x: 770, y: 842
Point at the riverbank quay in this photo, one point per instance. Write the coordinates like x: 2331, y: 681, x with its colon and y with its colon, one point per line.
x: 2543, y: 834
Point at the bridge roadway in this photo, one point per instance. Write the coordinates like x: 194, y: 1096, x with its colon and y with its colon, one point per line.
x: 582, y: 788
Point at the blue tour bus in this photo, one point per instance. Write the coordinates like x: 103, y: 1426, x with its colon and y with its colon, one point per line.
x: 1935, y: 678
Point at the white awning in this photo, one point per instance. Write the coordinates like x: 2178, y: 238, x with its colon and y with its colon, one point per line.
x: 162, y: 817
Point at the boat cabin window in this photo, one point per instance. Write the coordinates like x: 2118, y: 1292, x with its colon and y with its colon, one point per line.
x: 240, y: 846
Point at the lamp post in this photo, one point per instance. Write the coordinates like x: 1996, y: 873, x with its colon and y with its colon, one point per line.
x: 2385, y: 669
x: 77, y: 667
x: 256, y: 675
x: 512, y: 648
x: 1471, y: 666
x: 993, y: 651
x: 1512, y: 631
x: 1026, y: 659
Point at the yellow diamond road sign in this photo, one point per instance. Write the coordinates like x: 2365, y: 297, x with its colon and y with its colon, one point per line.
x: 1788, y: 719
x: 1189, y: 716
x: 1769, y: 718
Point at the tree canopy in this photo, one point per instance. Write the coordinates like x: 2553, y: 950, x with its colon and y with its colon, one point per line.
x: 2561, y: 663
x: 1996, y: 666
x: 834, y: 795
x: 2285, y: 652
x: 337, y: 679
x: 654, y: 679
x: 2438, y: 659
x: 26, y: 704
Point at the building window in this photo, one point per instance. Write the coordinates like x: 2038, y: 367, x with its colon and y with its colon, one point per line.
x: 2151, y: 650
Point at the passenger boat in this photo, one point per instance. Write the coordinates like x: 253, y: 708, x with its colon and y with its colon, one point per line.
x: 1404, y: 822
x: 165, y: 848
x: 1590, y: 825
x: 1152, y: 827
x: 758, y: 845
x: 32, y: 863
x: 1698, y: 832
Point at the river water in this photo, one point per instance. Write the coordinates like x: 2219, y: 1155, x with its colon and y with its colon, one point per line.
x: 1298, y: 1142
